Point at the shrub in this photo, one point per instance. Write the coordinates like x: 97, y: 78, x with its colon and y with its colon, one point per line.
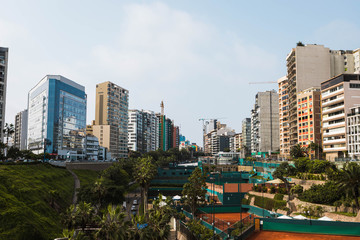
x: 280, y: 204
x: 272, y: 189
x: 326, y: 193
x: 297, y: 189
x: 282, y: 191
x: 264, y: 189
x: 279, y: 196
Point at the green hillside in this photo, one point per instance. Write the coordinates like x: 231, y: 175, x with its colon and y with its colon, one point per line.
x: 31, y: 200
x: 86, y: 177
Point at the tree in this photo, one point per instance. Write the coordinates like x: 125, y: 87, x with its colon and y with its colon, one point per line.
x: 113, y: 225
x: 8, y: 131
x: 282, y: 172
x: 350, y: 181
x: 144, y: 172
x: 84, y: 215
x: 297, y: 151
x: 337, y: 204
x: 314, y: 147
x: 195, y: 190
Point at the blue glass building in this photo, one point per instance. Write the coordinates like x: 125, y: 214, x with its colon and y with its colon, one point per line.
x: 57, y: 113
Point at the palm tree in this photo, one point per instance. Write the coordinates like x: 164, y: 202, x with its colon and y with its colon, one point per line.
x: 8, y: 131
x: 99, y: 190
x: 112, y: 225
x: 84, y: 215
x: 350, y: 181
x: 144, y: 172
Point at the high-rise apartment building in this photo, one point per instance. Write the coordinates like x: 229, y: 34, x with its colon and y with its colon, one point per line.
x: 246, y: 134
x: 3, y: 84
x: 236, y: 142
x: 308, y: 66
x: 284, y: 139
x: 309, y: 119
x: 176, y: 137
x: 20, y: 134
x: 339, y: 95
x: 143, y: 131
x: 353, y: 132
x: 265, y: 123
x: 111, y: 118
x: 57, y: 117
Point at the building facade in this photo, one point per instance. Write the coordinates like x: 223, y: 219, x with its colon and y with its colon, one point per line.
x: 4, y: 55
x: 265, y: 123
x: 308, y: 66
x: 246, y: 134
x: 91, y: 147
x: 284, y: 138
x: 309, y: 119
x: 143, y: 131
x: 57, y: 117
x: 21, y: 124
x: 338, y: 96
x: 111, y: 118
x: 353, y: 133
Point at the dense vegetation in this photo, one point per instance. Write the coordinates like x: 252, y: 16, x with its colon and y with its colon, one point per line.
x: 31, y: 198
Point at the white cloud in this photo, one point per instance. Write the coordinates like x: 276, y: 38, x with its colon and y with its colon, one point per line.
x: 161, y: 53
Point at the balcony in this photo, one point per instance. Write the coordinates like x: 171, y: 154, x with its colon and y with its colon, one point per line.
x: 334, y: 149
x: 330, y: 110
x: 326, y: 95
x: 334, y: 141
x: 341, y: 115
x: 328, y: 103
x: 335, y: 125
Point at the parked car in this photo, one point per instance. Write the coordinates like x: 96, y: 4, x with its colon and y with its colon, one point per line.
x: 133, y: 208
x: 135, y: 202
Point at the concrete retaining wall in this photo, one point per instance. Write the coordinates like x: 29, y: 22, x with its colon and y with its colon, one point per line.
x: 95, y: 166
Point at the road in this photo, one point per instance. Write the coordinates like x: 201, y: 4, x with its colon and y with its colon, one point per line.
x: 129, y: 198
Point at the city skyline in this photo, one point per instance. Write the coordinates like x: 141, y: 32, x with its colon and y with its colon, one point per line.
x: 173, y: 52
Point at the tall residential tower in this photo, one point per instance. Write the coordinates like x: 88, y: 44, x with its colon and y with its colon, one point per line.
x: 3, y: 83
x: 111, y: 118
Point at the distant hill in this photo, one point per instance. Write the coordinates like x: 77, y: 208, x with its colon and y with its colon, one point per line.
x: 32, y: 197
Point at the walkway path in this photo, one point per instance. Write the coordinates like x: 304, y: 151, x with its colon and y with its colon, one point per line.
x: 77, y: 186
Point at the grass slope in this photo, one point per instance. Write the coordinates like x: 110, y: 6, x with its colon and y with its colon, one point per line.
x: 26, y: 195
x: 86, y: 176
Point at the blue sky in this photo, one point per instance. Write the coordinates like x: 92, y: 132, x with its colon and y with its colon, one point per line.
x: 197, y: 56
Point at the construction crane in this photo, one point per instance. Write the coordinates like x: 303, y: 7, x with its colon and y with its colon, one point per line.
x: 204, y: 130
x: 262, y: 82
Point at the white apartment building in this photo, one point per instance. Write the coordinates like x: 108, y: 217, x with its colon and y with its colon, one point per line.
x: 338, y: 96
x: 20, y: 135
x: 353, y: 132
x: 143, y: 131
x: 91, y: 147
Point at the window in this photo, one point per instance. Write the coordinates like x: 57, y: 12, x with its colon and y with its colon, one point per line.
x: 354, y: 85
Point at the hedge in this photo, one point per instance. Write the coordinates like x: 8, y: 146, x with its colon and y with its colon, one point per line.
x: 269, y: 203
x: 279, y: 196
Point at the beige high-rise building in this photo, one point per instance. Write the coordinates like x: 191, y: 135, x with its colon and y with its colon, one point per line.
x: 308, y: 66
x: 339, y: 95
x: 309, y: 119
x: 111, y: 118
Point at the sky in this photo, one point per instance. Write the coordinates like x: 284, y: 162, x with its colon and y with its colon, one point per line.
x: 196, y: 56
